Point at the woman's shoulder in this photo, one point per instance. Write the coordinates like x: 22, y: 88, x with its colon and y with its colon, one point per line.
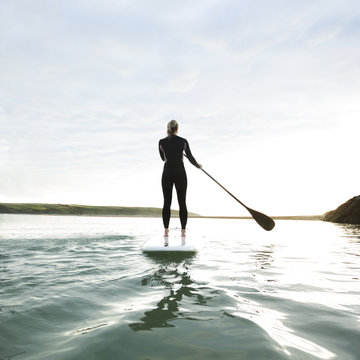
x: 175, y: 138
x: 163, y: 140
x: 181, y: 139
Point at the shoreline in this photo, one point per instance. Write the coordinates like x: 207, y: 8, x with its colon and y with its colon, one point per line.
x: 118, y: 211
x: 285, y: 217
x: 294, y: 218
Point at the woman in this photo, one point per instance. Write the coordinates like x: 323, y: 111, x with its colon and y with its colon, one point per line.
x: 171, y: 151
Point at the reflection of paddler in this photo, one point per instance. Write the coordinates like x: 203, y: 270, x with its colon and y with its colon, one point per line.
x: 168, y: 306
x: 171, y: 151
x: 158, y: 317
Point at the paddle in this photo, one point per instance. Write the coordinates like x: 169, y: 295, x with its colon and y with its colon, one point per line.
x: 263, y: 220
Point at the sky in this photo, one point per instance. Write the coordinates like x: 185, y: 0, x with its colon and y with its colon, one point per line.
x: 266, y: 92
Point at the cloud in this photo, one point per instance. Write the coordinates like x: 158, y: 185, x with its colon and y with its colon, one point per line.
x: 87, y: 89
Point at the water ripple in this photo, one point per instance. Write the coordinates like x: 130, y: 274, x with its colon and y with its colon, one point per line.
x: 77, y: 288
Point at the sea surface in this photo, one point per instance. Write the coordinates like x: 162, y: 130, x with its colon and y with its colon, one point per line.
x: 81, y: 288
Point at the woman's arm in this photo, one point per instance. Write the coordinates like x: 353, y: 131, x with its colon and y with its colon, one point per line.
x: 161, y: 152
x: 190, y: 156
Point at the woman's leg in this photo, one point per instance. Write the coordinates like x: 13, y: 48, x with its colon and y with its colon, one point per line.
x: 167, y: 185
x: 181, y: 186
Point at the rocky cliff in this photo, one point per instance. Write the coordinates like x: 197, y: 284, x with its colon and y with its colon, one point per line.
x: 347, y: 213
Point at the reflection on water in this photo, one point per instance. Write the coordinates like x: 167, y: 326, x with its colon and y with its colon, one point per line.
x: 273, y: 323
x: 263, y: 257
x: 350, y: 230
x: 174, y: 276
x: 78, y: 288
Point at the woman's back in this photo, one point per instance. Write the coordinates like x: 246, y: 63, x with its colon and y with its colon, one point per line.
x: 172, y: 149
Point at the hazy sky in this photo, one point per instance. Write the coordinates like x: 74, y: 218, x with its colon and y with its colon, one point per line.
x: 266, y: 92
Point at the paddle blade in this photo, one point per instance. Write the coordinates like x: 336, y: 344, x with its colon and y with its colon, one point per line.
x: 263, y: 220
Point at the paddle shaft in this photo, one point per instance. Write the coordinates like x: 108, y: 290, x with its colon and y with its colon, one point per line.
x: 224, y: 189
x: 263, y: 220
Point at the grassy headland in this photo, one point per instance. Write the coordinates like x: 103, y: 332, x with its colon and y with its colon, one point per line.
x: 84, y: 210
x: 87, y: 210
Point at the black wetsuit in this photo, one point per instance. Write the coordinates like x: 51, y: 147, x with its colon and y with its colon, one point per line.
x: 171, y: 151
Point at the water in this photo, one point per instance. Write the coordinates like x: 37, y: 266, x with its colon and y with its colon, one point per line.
x: 80, y: 288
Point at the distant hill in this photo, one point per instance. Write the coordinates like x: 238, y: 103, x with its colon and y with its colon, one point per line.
x: 347, y: 213
x: 85, y: 210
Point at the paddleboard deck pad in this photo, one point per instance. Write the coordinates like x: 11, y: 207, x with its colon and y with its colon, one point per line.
x: 169, y: 244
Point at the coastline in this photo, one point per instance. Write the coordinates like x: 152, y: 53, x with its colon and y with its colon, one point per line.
x: 81, y: 210
x: 116, y: 211
x: 285, y: 217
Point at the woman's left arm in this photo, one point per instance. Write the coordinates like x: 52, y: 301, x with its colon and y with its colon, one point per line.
x: 161, y: 152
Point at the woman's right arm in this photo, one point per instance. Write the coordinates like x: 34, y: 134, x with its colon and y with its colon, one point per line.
x: 190, y: 156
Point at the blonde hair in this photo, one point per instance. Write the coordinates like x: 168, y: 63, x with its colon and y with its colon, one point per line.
x: 172, y: 127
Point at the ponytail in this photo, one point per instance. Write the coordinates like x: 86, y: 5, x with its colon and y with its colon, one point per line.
x: 172, y: 128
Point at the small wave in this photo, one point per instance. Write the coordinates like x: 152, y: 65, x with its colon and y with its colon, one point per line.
x: 87, y: 329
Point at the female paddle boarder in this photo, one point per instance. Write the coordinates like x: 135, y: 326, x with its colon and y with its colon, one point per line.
x: 172, y: 150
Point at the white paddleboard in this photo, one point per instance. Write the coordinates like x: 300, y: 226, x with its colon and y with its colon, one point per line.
x: 169, y: 244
